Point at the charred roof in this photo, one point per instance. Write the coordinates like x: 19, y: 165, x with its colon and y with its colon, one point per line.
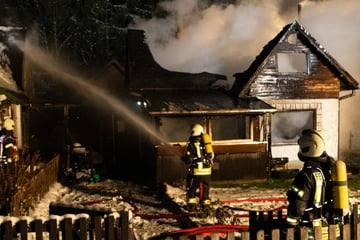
x: 197, y: 102
x: 146, y: 73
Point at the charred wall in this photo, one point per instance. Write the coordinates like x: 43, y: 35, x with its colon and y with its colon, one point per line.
x: 318, y: 82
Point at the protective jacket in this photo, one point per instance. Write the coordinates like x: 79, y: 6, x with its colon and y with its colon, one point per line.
x: 310, y: 196
x: 8, y: 148
x: 201, y: 161
x: 310, y: 193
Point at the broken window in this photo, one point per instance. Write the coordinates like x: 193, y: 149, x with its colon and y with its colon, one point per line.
x: 286, y: 127
x: 232, y: 127
x: 292, y: 62
x: 177, y: 129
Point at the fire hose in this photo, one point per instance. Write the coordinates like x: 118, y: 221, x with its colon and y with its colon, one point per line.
x: 157, y: 216
x: 203, y: 230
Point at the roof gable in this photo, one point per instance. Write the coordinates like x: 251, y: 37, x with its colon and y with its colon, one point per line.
x: 112, y: 77
x: 245, y: 79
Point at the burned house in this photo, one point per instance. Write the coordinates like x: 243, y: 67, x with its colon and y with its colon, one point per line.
x: 298, y: 77
x: 292, y: 84
x: 142, y: 127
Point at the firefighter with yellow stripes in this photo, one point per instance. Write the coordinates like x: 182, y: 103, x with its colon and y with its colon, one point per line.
x: 310, y: 195
x: 8, y: 148
x: 199, y: 154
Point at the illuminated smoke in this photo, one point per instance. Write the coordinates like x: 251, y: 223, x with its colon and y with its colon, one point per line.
x: 215, y: 39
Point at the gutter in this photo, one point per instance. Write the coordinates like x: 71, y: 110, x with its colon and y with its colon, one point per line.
x: 212, y: 112
x: 348, y: 95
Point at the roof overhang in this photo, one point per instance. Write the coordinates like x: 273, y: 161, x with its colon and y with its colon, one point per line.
x: 12, y: 97
x: 211, y: 102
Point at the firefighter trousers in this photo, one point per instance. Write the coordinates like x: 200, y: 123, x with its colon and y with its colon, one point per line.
x: 193, y: 184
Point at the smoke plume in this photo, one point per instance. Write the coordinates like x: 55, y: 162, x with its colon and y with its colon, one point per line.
x: 226, y: 39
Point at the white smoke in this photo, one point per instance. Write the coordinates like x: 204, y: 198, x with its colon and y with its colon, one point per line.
x: 226, y: 39
x: 335, y: 24
x: 217, y: 39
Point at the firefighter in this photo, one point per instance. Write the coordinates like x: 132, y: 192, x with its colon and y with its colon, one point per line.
x: 9, y: 151
x: 310, y: 196
x: 199, y: 155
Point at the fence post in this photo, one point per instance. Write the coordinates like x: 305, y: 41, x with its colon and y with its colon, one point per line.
x: 82, y: 225
x: 317, y: 233
x: 354, y: 222
x: 253, y: 223
x: 290, y: 234
x: 22, y: 228
x: 37, y: 227
x: 303, y: 232
x: 53, y: 229
x: 97, y: 231
x: 7, y: 230
x: 230, y: 236
x: 270, y: 223
x: 332, y: 231
x: 357, y: 232
x: 125, y: 226
x: 109, y: 228
x: 245, y: 236
x: 67, y: 232
x: 345, y: 232
x: 275, y: 234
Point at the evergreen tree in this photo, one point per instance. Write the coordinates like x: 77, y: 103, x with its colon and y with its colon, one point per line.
x: 83, y: 32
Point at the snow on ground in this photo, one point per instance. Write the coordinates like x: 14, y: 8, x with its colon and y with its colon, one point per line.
x: 144, y: 201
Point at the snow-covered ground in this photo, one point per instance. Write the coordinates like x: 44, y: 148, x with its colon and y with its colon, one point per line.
x: 147, y: 204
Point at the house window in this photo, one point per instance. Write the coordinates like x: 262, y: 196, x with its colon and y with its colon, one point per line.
x: 292, y: 62
x: 177, y: 129
x: 173, y: 129
x: 286, y: 127
x: 232, y: 127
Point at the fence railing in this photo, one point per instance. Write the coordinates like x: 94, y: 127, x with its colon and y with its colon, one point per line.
x: 268, y: 226
x: 68, y: 227
x: 34, y: 188
x: 116, y: 226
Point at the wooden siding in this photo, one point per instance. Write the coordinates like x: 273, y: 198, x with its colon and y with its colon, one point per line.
x: 232, y: 162
x: 319, y: 82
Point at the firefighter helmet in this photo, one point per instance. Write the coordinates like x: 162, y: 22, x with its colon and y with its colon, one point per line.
x: 9, y: 124
x: 196, y: 130
x: 311, y: 143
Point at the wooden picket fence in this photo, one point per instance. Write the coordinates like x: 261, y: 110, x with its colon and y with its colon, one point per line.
x: 268, y: 226
x: 68, y: 227
x: 116, y: 226
x: 22, y: 185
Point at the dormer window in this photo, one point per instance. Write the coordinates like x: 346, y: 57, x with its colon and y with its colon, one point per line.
x: 291, y: 62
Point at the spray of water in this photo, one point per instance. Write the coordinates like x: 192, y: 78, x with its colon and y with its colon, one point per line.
x: 70, y: 78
